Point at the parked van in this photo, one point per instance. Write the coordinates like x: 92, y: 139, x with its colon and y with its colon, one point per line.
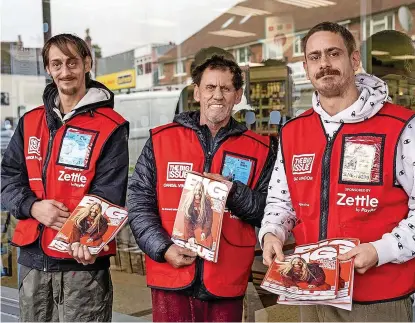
x: 144, y: 111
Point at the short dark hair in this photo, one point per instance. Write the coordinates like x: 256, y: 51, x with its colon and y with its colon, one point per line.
x: 61, y: 41
x: 347, y: 36
x: 220, y: 63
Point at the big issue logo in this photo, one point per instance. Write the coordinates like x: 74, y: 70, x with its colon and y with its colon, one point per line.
x: 303, y: 164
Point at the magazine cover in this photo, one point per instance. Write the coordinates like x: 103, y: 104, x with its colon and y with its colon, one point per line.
x: 199, y: 216
x: 308, y: 275
x: 346, y: 275
x: 93, y: 223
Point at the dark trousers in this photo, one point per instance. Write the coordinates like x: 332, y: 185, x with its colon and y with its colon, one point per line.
x: 170, y: 306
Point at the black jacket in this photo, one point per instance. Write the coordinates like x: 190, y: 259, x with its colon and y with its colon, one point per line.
x: 143, y: 215
x: 110, y: 180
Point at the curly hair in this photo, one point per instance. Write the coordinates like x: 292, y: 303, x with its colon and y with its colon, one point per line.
x: 217, y: 62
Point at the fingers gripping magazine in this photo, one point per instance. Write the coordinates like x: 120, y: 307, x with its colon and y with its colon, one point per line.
x: 198, y: 222
x: 93, y: 223
x: 305, y: 275
x: 345, y: 276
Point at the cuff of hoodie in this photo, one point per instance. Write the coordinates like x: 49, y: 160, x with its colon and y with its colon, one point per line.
x: 25, y: 208
x: 276, y: 230
x: 385, y: 248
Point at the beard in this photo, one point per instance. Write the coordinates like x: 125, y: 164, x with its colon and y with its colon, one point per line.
x: 68, y: 91
x: 331, y: 88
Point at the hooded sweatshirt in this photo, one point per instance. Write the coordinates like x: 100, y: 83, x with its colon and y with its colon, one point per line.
x: 279, y: 209
x: 110, y: 179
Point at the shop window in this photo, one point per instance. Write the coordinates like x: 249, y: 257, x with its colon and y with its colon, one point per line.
x: 380, y: 23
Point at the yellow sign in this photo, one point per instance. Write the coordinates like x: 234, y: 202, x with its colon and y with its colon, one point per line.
x: 120, y: 80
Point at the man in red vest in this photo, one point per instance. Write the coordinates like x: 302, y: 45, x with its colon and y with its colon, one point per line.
x: 75, y: 144
x: 346, y: 169
x: 186, y: 287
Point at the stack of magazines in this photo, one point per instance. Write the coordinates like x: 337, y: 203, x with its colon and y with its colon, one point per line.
x: 313, y: 275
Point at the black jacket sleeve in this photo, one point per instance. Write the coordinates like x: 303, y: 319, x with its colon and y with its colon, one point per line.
x: 248, y: 204
x: 16, y: 195
x: 111, y: 176
x: 144, y: 219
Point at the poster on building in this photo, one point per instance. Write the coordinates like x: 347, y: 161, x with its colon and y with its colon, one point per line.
x: 279, y: 34
x: 117, y: 81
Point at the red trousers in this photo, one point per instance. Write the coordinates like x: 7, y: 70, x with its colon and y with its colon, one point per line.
x: 170, y: 306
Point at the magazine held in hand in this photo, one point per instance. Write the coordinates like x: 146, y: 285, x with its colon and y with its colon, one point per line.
x: 93, y: 223
x: 198, y: 222
x: 312, y: 275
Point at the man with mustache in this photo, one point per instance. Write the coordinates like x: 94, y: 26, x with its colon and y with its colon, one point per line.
x: 43, y: 180
x: 345, y: 168
x: 186, y: 287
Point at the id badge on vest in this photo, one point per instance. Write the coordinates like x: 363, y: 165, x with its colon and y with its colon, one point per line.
x: 237, y: 167
x: 362, y: 157
x: 76, y: 147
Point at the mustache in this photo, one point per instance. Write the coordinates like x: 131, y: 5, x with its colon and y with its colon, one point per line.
x: 325, y: 72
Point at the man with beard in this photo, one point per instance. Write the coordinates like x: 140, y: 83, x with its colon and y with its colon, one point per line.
x: 41, y: 184
x: 185, y: 287
x: 346, y: 169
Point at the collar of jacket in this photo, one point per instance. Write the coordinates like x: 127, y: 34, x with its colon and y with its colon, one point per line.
x: 192, y: 120
x: 50, y: 93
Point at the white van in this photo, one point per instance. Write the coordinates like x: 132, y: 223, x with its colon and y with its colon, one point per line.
x: 144, y: 111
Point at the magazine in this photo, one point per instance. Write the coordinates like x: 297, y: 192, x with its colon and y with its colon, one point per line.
x: 198, y: 222
x: 346, y: 275
x: 94, y: 223
x: 308, y: 275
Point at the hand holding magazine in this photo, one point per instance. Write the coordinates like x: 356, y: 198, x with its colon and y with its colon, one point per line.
x: 308, y: 253
x: 198, y: 222
x: 93, y: 223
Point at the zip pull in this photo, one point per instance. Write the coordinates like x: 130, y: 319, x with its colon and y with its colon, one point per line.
x: 91, y: 113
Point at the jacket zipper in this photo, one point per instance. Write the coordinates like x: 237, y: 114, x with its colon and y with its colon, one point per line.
x: 212, y: 149
x: 325, y: 186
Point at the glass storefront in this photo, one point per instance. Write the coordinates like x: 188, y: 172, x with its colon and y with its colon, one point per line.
x: 143, y: 51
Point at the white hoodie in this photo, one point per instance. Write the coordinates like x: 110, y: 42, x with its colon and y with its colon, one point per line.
x: 279, y: 217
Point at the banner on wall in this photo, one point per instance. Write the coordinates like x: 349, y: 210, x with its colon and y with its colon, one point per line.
x: 117, y: 81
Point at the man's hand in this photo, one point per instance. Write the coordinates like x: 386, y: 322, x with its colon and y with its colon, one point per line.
x: 179, y: 257
x: 81, y: 253
x: 365, y: 257
x: 272, y: 246
x: 51, y: 213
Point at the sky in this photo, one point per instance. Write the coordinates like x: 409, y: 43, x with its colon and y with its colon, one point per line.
x: 115, y: 25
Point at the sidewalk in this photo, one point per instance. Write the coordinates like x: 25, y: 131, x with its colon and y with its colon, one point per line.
x: 10, y: 309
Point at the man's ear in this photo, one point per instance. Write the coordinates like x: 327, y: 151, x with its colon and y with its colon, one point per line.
x: 238, y: 97
x: 47, y: 70
x: 305, y: 68
x: 196, y: 93
x: 88, y: 64
x: 355, y: 60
